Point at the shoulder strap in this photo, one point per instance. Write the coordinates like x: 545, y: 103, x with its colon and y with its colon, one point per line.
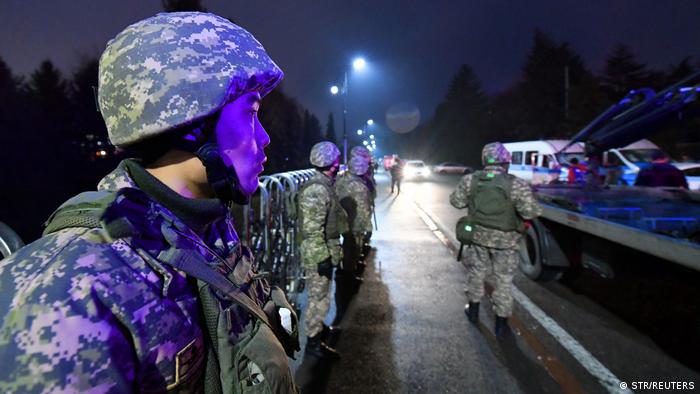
x: 193, y: 264
x: 314, y: 181
x: 473, y: 183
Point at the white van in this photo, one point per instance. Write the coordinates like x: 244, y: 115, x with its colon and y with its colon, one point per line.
x: 530, y: 158
x: 631, y: 158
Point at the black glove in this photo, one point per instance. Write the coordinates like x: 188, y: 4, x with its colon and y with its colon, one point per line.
x: 325, y: 268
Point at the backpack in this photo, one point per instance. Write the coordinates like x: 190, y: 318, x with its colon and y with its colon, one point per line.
x: 490, y: 205
x: 255, y: 363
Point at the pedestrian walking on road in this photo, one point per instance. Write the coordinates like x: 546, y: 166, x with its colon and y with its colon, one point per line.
x: 497, y: 204
x: 322, y: 221
x: 144, y: 285
x: 396, y: 172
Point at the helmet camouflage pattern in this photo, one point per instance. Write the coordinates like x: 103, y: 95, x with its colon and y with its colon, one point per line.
x: 324, y: 154
x: 495, y: 153
x: 361, y: 151
x: 175, y: 68
x: 358, y: 165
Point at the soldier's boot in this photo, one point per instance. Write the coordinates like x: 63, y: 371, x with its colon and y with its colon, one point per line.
x: 501, y: 328
x: 315, y: 346
x: 472, y: 311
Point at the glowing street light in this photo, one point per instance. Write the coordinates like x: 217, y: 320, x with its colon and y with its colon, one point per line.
x: 370, y: 122
x: 359, y: 64
x: 359, y: 131
x: 365, y: 143
x: 371, y: 136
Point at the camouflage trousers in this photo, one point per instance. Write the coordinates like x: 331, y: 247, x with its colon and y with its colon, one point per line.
x: 501, y: 263
x: 319, y: 300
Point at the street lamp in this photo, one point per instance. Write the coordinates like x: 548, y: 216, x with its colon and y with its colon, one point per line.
x: 370, y: 122
x: 359, y: 131
x: 357, y: 64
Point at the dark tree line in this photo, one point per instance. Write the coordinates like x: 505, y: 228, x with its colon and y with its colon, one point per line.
x: 542, y: 104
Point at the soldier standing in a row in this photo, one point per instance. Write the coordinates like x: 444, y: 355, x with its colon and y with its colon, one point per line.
x: 370, y: 182
x: 355, y: 198
x: 322, y: 221
x: 144, y: 285
x: 497, y: 203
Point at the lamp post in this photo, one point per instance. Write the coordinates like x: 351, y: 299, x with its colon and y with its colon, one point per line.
x: 357, y: 64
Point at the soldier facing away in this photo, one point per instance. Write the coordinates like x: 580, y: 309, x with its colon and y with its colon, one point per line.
x: 144, y: 285
x: 321, y: 222
x: 497, y: 204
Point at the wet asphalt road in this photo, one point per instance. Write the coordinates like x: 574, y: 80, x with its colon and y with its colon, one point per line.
x: 405, y: 330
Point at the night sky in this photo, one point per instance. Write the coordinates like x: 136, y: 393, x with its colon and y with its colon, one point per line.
x: 413, y: 48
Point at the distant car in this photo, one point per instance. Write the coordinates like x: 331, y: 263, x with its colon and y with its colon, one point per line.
x: 414, y: 169
x: 452, y: 168
x: 692, y: 173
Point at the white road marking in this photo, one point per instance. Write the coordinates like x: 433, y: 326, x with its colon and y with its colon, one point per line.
x: 606, y: 378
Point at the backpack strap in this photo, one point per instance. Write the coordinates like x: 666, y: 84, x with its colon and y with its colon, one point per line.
x: 473, y: 183
x: 194, y: 265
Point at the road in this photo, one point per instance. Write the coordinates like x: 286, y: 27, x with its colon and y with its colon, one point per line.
x: 405, y: 330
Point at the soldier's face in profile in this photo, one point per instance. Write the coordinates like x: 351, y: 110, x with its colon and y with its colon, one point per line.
x: 242, y: 139
x: 335, y: 167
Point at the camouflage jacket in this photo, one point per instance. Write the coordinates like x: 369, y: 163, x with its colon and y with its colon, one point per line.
x: 355, y: 198
x: 525, y: 205
x: 83, y: 311
x: 316, y: 210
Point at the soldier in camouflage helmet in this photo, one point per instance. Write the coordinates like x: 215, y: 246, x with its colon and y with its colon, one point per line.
x: 144, y: 285
x: 371, y: 183
x: 321, y: 222
x: 355, y: 198
x: 497, y: 203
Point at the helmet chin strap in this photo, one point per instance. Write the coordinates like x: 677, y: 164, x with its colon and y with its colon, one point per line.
x: 222, y: 179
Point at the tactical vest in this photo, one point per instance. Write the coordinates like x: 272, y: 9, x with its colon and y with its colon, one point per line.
x: 490, y: 204
x: 336, y: 219
x: 255, y: 362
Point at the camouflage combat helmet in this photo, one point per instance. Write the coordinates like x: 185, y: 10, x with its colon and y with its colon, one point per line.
x: 361, y: 151
x: 495, y: 153
x: 358, y: 165
x: 324, y: 154
x: 176, y: 68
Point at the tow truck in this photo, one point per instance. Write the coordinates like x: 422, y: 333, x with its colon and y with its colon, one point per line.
x: 584, y: 226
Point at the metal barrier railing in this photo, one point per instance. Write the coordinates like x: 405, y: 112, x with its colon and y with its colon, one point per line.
x: 271, y: 232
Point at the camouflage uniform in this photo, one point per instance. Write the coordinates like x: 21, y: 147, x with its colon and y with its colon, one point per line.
x: 101, y: 308
x: 320, y: 229
x: 495, y: 251
x: 355, y: 197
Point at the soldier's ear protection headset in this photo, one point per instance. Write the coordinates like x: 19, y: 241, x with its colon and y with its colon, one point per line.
x: 222, y: 178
